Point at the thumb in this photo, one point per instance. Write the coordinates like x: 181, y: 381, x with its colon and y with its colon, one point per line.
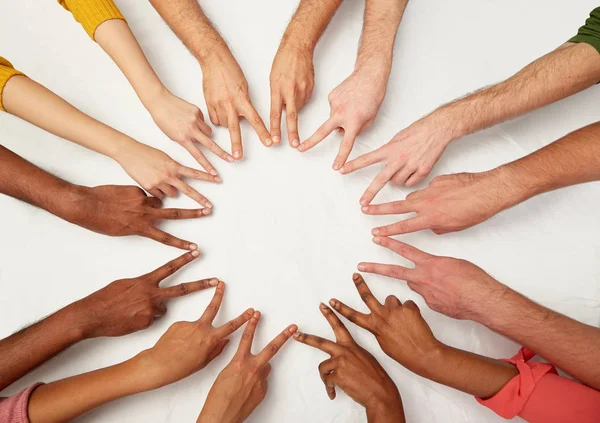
x: 218, y: 349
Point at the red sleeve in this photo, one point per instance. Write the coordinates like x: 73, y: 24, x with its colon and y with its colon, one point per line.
x: 14, y: 409
x: 539, y: 395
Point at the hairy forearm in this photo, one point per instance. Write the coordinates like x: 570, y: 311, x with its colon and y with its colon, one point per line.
x: 309, y: 22
x: 564, y: 342
x: 31, y: 347
x: 115, y: 37
x: 70, y: 398
x: 559, y: 74
x: 381, y: 21
x: 192, y: 26
x: 34, y: 103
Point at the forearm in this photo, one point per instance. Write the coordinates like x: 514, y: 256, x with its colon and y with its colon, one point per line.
x: 309, y: 22
x: 386, y: 412
x: 559, y: 74
x: 564, y: 342
x: 192, y: 26
x: 30, y: 347
x: 34, y: 103
x: 70, y: 398
x: 117, y: 40
x: 381, y: 21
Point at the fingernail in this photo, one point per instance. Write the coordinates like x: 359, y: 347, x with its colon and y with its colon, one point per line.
x: 256, y: 314
x: 230, y: 158
x: 221, y: 284
x: 295, y: 143
x: 355, y: 277
x: 375, y: 231
x: 292, y: 328
x: 300, y: 147
x: 206, y: 211
x: 213, y: 172
x: 297, y: 335
x: 213, y: 282
x: 333, y: 303
x: 208, y: 204
x: 268, y: 142
x: 195, y: 253
x: 343, y: 170
x: 276, y: 139
x: 363, y: 202
x: 376, y: 240
x: 193, y: 247
x: 237, y: 154
x: 336, y: 166
x: 217, y: 179
x: 323, y: 306
x: 365, y: 208
x: 361, y: 267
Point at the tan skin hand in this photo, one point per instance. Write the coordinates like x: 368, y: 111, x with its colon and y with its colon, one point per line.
x: 127, y: 210
x: 450, y: 203
x: 352, y: 368
x: 184, y: 123
x: 292, y: 82
x: 160, y: 175
x: 187, y: 347
x: 354, y: 105
x: 227, y: 98
x: 399, y: 328
x: 129, y: 305
x: 242, y: 385
x: 449, y: 286
x: 408, y: 159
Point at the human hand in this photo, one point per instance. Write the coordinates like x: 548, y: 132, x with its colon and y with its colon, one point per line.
x: 408, y: 158
x: 184, y: 123
x: 227, y: 98
x: 354, y: 105
x: 292, y: 81
x: 354, y: 370
x: 126, y: 210
x: 129, y: 305
x: 242, y: 385
x: 187, y: 347
x: 399, y: 328
x: 450, y: 203
x: 450, y: 286
x: 159, y: 174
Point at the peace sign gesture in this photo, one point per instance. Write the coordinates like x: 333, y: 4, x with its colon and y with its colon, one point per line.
x: 356, y: 372
x: 242, y: 385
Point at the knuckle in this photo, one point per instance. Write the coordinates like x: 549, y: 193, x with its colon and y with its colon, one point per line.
x: 183, y: 289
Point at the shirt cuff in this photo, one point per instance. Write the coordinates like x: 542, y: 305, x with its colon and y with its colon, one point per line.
x: 91, y: 13
x: 7, y: 71
x: 590, y: 32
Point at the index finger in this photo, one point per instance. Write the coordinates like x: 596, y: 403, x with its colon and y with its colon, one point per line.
x: 171, y: 267
x: 395, y: 207
x: 407, y: 251
x: 187, y: 288
x: 339, y: 329
x: 356, y: 317
x: 257, y: 123
x: 324, y: 130
x: 319, y: 343
x: 213, y: 307
x: 190, y: 192
x: 233, y: 325
x: 365, y: 293
x: 167, y: 239
x: 362, y: 161
x: 245, y: 347
x: 178, y: 214
x: 405, y: 226
x: 378, y: 183
x: 275, y: 345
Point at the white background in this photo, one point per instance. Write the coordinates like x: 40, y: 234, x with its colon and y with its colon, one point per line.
x: 287, y: 231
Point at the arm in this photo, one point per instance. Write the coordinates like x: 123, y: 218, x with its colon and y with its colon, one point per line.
x: 356, y: 101
x: 225, y: 86
x: 292, y: 74
x: 155, y: 171
x: 412, y: 153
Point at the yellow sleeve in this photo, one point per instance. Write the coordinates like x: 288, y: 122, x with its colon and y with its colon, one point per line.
x: 91, y: 13
x: 6, y: 72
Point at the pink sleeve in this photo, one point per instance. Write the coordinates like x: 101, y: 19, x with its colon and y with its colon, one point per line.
x: 14, y: 409
x: 539, y: 395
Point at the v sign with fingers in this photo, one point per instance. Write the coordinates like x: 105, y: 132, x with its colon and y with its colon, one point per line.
x: 129, y: 305
x: 187, y: 347
x: 354, y: 106
x: 354, y: 370
x: 242, y: 385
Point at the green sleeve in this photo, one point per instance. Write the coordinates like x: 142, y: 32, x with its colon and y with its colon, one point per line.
x: 590, y: 32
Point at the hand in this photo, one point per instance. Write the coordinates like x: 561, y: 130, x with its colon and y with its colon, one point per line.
x: 127, y: 210
x: 129, y: 305
x: 159, y: 174
x: 242, y: 385
x: 227, y: 98
x: 184, y: 123
x: 354, y: 106
x: 355, y: 371
x: 400, y: 330
x: 408, y: 158
x: 292, y: 81
x: 187, y: 347
x: 450, y: 286
x: 450, y: 203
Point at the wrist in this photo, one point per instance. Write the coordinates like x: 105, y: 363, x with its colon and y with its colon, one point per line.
x: 510, y: 185
x: 69, y: 319
x: 383, y: 410
x: 291, y: 41
x: 216, y: 55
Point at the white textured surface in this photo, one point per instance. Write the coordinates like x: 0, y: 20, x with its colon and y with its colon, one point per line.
x: 287, y: 231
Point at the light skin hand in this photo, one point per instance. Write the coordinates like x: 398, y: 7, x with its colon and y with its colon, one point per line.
x: 130, y: 305
x: 456, y: 288
x: 187, y: 347
x: 354, y: 370
x: 354, y: 105
x: 242, y: 385
x: 126, y: 210
x: 160, y: 175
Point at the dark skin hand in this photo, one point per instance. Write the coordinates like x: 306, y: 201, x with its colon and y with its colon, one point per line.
x: 354, y: 370
x: 242, y: 385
